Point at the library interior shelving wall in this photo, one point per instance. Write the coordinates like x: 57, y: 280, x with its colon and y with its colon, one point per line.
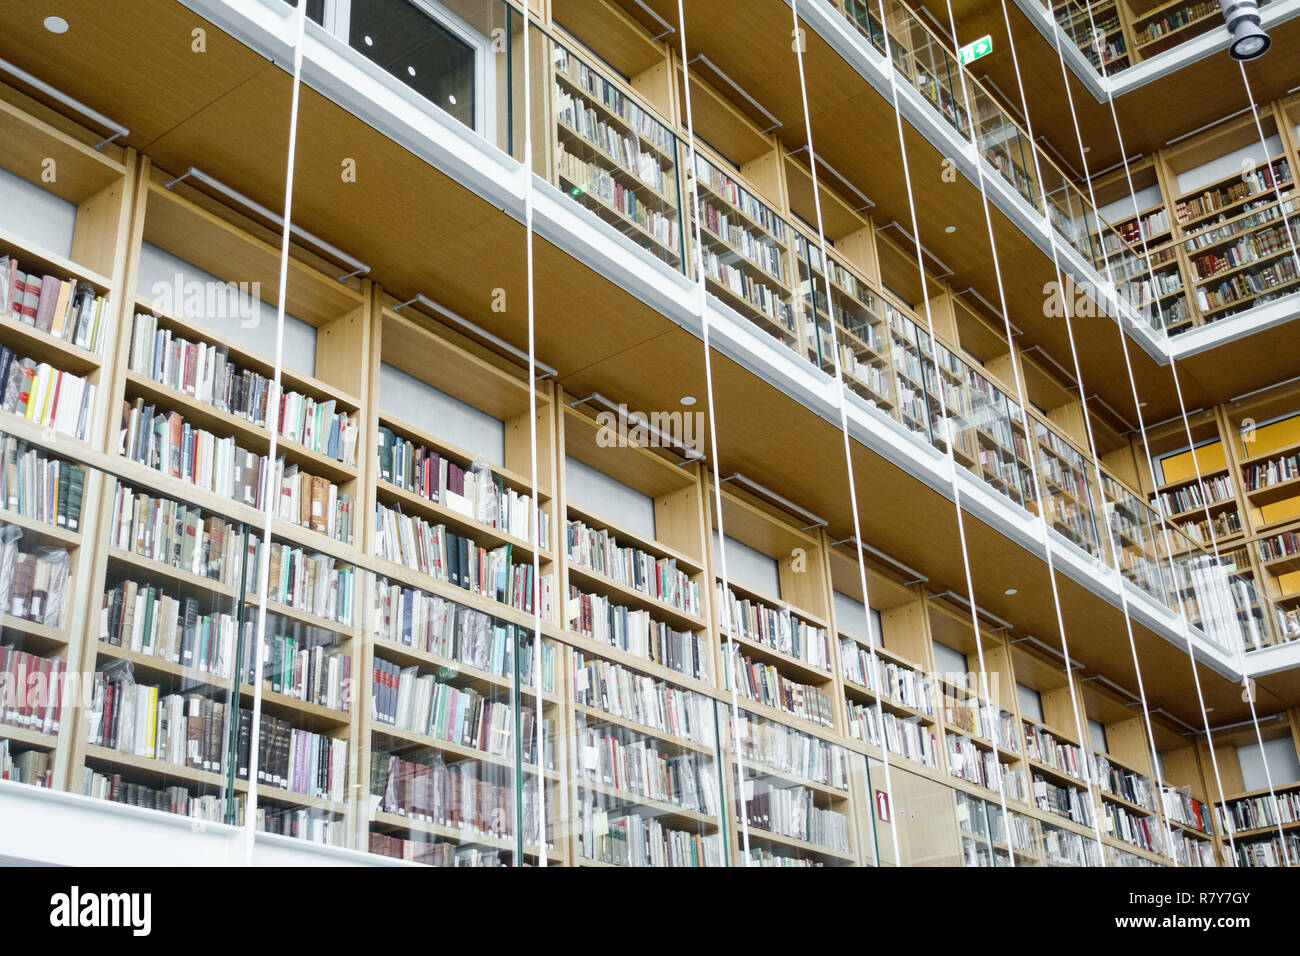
x: 669, y: 716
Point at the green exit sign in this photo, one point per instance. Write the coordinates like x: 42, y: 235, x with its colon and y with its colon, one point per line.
x: 973, y: 51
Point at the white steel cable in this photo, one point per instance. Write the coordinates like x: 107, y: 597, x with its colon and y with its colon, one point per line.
x: 1217, y: 595
x: 534, y: 519
x: 730, y: 663
x: 271, y: 497
x: 952, y: 464
x: 848, y: 457
x: 1015, y: 366
x: 1184, y: 621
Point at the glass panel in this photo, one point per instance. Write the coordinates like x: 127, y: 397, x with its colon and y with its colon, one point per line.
x: 1068, y: 508
x: 163, y: 714
x: 1132, y: 528
x: 644, y: 785
x: 445, y: 733
x: 793, y: 788
x: 616, y: 159
x: 746, y: 251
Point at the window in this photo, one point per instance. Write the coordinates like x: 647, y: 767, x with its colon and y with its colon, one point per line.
x: 422, y: 44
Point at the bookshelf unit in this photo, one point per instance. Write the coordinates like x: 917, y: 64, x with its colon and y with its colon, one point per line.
x: 81, y: 249
x: 748, y: 261
x: 615, y: 157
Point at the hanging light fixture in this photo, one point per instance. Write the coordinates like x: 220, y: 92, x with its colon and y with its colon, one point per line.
x: 1248, y: 38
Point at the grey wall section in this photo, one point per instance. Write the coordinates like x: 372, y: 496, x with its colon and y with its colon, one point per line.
x: 36, y: 216
x: 850, y: 617
x: 589, y: 488
x: 1282, y: 763
x: 948, y: 660
x: 748, y: 567
x: 247, y: 321
x: 1031, y: 703
x: 417, y: 403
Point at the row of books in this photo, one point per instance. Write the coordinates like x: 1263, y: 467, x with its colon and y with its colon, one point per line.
x: 628, y: 764
x: 657, y: 218
x: 1130, y: 786
x: 146, y: 620
x: 1252, y: 248
x: 637, y: 632
x: 1067, y: 848
x: 1251, y: 284
x: 1274, y: 851
x: 1265, y: 473
x: 205, y: 372
x: 904, y: 736
x: 300, y: 761
x: 1252, y: 182
x: 1181, y: 807
x: 791, y: 751
x: 138, y: 719
x: 66, y: 309
x: 432, y: 852
x: 45, y: 395
x: 1253, y: 813
x: 304, y: 668
x: 628, y: 839
x: 37, y: 485
x: 970, y: 763
x: 765, y: 684
x: 458, y: 634
x: 166, y: 443
x: 179, y: 536
x: 33, y: 584
x: 1141, y: 831
x: 1189, y: 851
x: 432, y: 707
x: 723, y: 186
x: 33, y: 767
x: 306, y: 581
x: 777, y: 628
x: 754, y: 247
x: 467, y: 796
x: 898, y: 683
x: 208, y: 807
x: 741, y: 284
x: 987, y: 721
x: 613, y: 98
x: 653, y: 704
x: 1052, y: 752
x: 439, y: 553
x: 620, y: 150
x: 1068, y: 802
x: 793, y: 812
x: 1284, y: 545
x: 477, y: 492
x: 31, y: 690
x: 597, y: 550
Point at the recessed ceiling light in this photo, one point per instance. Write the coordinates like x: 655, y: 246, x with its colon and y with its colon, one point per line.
x: 411, y: 70
x: 56, y: 24
x: 949, y: 228
x: 1011, y: 592
x: 369, y: 41
x: 451, y: 98
x: 1142, y: 404
x: 688, y: 399
x: 1087, y: 149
